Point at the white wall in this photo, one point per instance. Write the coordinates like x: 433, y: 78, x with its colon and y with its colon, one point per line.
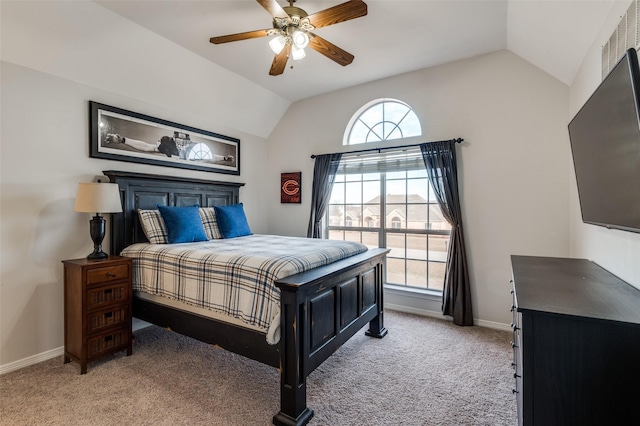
x: 56, y: 56
x: 513, y: 164
x: 616, y: 251
x: 88, y: 44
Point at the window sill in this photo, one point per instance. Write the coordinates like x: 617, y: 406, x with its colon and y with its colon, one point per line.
x: 413, y: 292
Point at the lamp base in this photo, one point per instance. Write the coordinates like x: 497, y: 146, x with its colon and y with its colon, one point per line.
x: 97, y: 255
x: 97, y: 230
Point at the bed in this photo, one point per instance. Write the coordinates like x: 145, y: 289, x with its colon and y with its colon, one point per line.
x: 320, y: 308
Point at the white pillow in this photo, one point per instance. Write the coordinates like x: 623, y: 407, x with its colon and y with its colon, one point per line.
x: 153, y: 226
x: 210, y: 223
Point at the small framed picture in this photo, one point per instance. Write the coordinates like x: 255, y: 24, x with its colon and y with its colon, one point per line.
x: 290, y: 189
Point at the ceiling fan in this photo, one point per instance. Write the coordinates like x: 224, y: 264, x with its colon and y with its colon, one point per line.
x: 292, y: 28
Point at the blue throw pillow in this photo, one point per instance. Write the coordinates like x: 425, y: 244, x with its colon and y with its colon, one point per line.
x: 183, y: 224
x: 232, y: 221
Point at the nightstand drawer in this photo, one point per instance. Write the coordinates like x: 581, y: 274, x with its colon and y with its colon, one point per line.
x: 107, y: 342
x: 101, y: 296
x: 99, y: 320
x: 107, y: 274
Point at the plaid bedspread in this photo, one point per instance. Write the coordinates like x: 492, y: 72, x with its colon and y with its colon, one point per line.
x: 232, y: 276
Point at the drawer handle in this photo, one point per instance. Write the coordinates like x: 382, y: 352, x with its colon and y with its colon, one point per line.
x: 516, y: 375
x: 108, y: 315
x: 111, y: 275
x: 515, y: 326
x: 513, y: 345
x: 513, y: 364
x: 513, y: 308
x: 514, y: 391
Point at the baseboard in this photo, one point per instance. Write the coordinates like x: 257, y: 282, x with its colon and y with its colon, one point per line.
x: 492, y: 324
x: 434, y: 314
x: 410, y: 310
x: 25, y: 362
x: 44, y: 356
x: 138, y: 324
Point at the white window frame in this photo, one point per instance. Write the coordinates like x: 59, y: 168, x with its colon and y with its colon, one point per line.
x: 405, y: 127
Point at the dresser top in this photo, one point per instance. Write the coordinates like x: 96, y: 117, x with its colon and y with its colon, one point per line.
x: 576, y: 287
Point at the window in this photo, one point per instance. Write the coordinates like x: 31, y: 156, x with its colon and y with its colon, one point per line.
x: 386, y: 200
x: 382, y: 120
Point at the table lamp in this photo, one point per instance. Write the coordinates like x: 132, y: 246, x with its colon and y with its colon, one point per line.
x: 97, y: 198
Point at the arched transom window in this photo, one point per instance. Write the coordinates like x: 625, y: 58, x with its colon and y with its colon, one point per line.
x: 381, y: 120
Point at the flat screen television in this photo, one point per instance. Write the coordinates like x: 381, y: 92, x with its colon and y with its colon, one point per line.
x: 605, y: 144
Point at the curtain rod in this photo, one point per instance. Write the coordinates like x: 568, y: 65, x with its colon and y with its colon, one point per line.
x: 456, y: 140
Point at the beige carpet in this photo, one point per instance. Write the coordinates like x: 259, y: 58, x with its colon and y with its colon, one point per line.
x: 424, y: 372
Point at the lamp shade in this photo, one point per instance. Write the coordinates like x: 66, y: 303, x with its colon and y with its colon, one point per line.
x: 300, y: 39
x: 95, y: 197
x: 297, y: 53
x: 277, y: 44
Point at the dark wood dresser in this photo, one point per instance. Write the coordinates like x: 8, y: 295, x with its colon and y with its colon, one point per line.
x: 97, y: 308
x: 576, y: 343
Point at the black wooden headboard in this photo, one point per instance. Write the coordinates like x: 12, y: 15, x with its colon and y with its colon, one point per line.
x: 146, y: 191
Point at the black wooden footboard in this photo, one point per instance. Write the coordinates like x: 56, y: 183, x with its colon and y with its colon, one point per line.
x: 321, y: 310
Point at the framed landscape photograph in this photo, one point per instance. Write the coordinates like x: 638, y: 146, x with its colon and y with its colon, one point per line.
x: 118, y: 134
x: 290, y: 189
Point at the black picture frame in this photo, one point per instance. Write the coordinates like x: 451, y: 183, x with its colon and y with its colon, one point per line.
x: 118, y: 134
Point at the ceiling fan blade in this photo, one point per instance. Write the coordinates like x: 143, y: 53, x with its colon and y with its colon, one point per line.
x: 239, y: 36
x: 280, y: 61
x: 273, y: 8
x: 340, y: 13
x: 330, y: 50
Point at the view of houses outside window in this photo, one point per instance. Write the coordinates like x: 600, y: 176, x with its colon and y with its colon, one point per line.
x: 407, y: 220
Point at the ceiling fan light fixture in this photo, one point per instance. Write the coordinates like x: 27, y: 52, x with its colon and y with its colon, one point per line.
x: 297, y: 53
x: 292, y: 31
x: 277, y: 44
x: 300, y: 39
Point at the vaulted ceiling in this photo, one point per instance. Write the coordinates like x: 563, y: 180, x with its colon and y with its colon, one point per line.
x: 394, y: 38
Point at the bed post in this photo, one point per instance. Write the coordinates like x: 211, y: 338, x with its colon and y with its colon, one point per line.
x: 293, y: 368
x: 376, y: 325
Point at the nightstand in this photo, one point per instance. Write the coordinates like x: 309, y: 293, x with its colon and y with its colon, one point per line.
x: 97, y: 308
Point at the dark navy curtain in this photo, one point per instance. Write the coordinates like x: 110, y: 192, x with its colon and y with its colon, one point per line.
x: 440, y: 161
x: 324, y: 174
